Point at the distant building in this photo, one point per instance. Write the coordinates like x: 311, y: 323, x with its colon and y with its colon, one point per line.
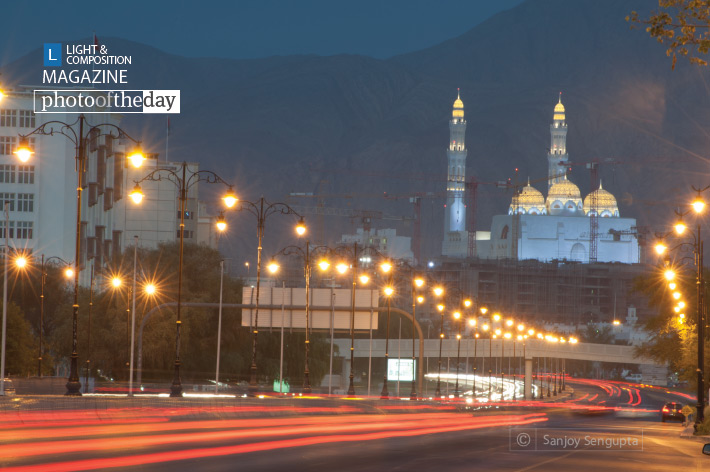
x: 551, y: 292
x: 42, y: 193
x: 561, y: 226
x: 384, y: 240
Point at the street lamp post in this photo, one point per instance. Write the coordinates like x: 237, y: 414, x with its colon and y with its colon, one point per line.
x: 417, y: 282
x: 440, y: 307
x: 80, y: 140
x: 305, y: 254
x: 43, y: 280
x: 184, y: 182
x: 457, y: 317
x: 88, y: 341
x: 389, y: 291
x: 262, y: 209
x: 680, y: 228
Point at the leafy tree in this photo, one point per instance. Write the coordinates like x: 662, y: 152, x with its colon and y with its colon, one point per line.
x: 596, y: 334
x: 672, y: 341
x: 21, y: 345
x: 683, y: 25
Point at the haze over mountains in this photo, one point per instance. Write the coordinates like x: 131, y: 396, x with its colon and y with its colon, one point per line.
x: 356, y: 125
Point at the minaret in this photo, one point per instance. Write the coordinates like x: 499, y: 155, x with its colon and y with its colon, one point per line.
x: 557, y: 157
x: 455, y: 208
x: 455, y: 235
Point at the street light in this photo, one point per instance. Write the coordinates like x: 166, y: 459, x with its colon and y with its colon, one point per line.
x: 438, y: 291
x: 68, y: 273
x: 262, y: 209
x: 116, y: 283
x: 389, y: 291
x: 417, y: 283
x: 474, y: 324
x: 80, y: 139
x: 457, y: 317
x: 184, y: 182
x: 273, y: 267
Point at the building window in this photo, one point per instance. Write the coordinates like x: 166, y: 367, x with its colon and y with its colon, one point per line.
x: 7, y: 198
x: 25, y: 174
x: 8, y: 118
x: 188, y: 234
x: 7, y: 145
x: 27, y: 119
x: 7, y: 174
x: 26, y: 202
x: 11, y: 232
x: 24, y: 230
x: 188, y: 215
x: 504, y: 232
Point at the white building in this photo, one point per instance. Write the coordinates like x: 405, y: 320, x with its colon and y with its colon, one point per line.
x: 42, y: 196
x: 385, y: 241
x: 560, y: 227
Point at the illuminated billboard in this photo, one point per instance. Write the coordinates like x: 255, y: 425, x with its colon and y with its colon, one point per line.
x: 400, y: 369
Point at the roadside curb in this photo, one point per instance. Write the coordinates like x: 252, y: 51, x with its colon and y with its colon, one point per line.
x: 688, y: 431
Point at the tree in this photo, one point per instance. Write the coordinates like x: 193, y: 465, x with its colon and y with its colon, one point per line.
x: 22, y: 344
x: 672, y: 341
x: 683, y: 25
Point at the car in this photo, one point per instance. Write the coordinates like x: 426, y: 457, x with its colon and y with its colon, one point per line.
x: 706, y: 449
x: 672, y: 410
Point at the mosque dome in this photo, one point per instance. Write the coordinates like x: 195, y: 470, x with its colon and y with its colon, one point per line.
x: 605, y: 203
x: 559, y: 114
x: 528, y: 202
x: 458, y: 107
x: 565, y: 199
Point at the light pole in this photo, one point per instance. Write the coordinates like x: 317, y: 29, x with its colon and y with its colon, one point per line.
x: 69, y: 273
x: 417, y: 282
x: 6, y: 256
x: 116, y: 283
x: 305, y: 254
x: 457, y: 317
x: 262, y: 209
x: 88, y: 340
x: 680, y: 228
x: 438, y: 291
x: 184, y: 182
x: 80, y: 139
x: 389, y: 291
x: 474, y: 324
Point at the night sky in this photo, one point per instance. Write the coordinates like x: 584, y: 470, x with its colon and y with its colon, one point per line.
x: 247, y: 28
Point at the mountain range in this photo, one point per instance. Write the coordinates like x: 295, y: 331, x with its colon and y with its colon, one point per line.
x: 353, y: 128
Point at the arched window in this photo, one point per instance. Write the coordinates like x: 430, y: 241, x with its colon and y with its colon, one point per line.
x: 578, y: 253
x: 504, y: 233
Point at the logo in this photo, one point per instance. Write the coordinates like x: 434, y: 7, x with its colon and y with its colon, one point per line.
x: 52, y: 54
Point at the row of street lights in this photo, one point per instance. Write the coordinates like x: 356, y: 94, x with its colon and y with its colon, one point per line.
x: 680, y: 229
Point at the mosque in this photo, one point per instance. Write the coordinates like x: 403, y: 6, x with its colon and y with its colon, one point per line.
x: 561, y: 227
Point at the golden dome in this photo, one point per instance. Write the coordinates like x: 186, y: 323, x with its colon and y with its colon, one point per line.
x: 528, y: 201
x: 559, y: 114
x: 564, y: 190
x: 605, y: 203
x: 564, y: 198
x: 458, y: 107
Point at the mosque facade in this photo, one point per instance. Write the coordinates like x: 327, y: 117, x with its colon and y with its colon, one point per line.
x: 561, y: 226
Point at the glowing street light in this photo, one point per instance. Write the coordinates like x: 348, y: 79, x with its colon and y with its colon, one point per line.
x: 230, y: 198
x: 136, y: 194
x: 136, y: 157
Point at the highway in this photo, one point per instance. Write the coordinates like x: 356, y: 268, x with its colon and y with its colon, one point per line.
x: 603, y: 426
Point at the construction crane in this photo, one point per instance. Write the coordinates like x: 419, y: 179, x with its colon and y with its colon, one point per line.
x: 416, y: 200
